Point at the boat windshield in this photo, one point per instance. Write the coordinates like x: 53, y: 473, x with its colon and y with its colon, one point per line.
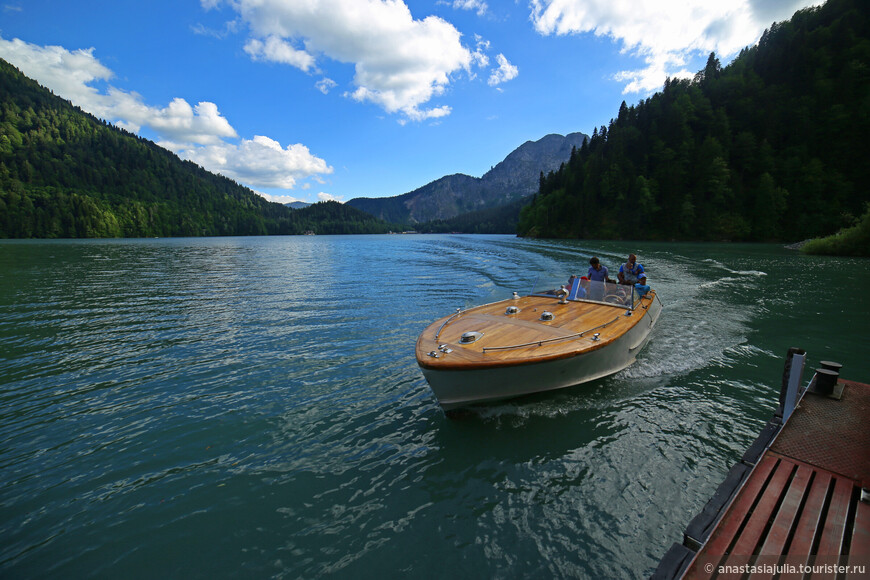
x: 580, y: 290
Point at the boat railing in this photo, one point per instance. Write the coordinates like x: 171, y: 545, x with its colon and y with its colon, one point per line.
x: 544, y: 341
x: 446, y: 322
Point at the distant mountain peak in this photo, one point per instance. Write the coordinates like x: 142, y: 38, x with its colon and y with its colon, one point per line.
x: 513, y: 178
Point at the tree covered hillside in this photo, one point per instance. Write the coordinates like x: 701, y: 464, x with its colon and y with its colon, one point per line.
x: 64, y: 173
x: 772, y: 147
x: 494, y: 220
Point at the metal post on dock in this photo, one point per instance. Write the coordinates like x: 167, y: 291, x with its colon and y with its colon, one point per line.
x: 826, y: 380
x: 791, y: 379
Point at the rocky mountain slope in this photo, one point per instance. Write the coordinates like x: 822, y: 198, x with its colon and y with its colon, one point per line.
x: 516, y: 177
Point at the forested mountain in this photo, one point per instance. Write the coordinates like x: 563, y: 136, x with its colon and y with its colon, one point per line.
x: 772, y: 147
x: 494, y: 220
x: 332, y: 217
x: 65, y: 173
x: 516, y: 177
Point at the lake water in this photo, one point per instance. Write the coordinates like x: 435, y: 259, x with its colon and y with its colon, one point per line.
x: 251, y: 407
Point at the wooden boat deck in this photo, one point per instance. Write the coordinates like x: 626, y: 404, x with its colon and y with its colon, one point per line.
x: 805, y: 501
x: 547, y: 340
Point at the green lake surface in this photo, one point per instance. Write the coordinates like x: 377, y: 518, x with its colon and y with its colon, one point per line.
x: 251, y: 407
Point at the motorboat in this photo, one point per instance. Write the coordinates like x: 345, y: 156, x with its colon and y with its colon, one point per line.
x: 540, y: 341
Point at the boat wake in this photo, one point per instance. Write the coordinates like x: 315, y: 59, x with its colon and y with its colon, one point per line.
x: 707, y: 322
x: 722, y: 266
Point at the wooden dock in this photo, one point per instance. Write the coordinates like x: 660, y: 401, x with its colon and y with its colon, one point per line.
x: 798, y: 503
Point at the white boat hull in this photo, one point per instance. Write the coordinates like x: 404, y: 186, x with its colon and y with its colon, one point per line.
x: 459, y: 388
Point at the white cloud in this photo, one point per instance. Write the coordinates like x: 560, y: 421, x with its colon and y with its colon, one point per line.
x: 479, y: 57
x: 777, y: 10
x: 179, y: 121
x: 329, y: 197
x: 325, y: 85
x: 278, y: 50
x: 260, y: 161
x: 284, y: 199
x: 477, y: 5
x: 196, y: 133
x: 230, y: 27
x: 401, y: 63
x: 505, y: 71
x: 665, y: 34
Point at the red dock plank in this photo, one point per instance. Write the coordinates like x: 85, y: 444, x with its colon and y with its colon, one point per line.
x: 752, y: 533
x: 788, y: 512
x: 785, y: 520
x: 835, y: 522
x: 805, y: 533
x: 730, y: 525
x: 755, y: 525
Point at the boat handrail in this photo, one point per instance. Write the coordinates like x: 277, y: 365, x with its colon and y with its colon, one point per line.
x: 548, y: 340
x: 452, y: 316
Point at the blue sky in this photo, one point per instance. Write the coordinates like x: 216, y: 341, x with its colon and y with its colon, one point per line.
x: 335, y: 99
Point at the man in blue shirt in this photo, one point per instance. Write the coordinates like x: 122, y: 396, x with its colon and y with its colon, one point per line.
x: 630, y: 272
x: 598, y: 276
x: 598, y: 272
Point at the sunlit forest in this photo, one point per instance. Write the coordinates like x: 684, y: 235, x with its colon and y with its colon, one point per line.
x: 773, y: 147
x: 67, y: 174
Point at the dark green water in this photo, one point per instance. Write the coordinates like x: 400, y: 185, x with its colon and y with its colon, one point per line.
x: 251, y: 407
